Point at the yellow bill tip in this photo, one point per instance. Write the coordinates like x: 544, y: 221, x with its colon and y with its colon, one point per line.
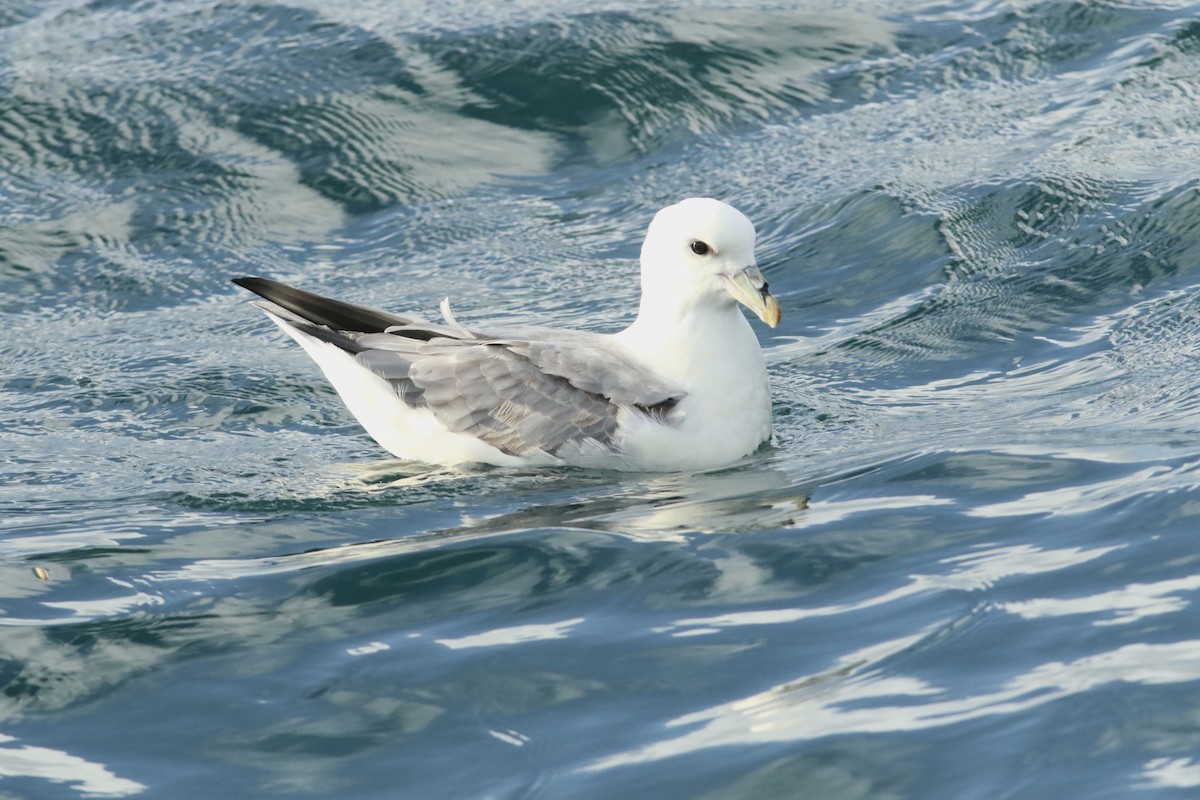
x: 771, y: 312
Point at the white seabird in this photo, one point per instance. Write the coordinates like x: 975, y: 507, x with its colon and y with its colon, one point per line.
x: 682, y: 388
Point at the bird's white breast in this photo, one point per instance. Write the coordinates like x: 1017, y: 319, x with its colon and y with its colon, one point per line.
x: 727, y: 411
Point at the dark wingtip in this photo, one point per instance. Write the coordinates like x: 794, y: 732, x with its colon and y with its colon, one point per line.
x: 253, y: 283
x: 320, y: 310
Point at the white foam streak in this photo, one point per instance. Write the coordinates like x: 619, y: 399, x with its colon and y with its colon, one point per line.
x: 1178, y: 773
x: 1070, y: 500
x: 86, y: 777
x: 516, y: 634
x: 1127, y: 604
x: 815, y: 706
x: 973, y: 571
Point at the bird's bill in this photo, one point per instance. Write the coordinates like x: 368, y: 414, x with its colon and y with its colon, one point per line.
x: 749, y: 288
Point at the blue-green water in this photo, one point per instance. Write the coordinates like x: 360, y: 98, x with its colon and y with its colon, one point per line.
x: 966, y: 569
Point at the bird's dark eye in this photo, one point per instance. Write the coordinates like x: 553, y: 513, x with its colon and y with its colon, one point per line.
x: 699, y: 248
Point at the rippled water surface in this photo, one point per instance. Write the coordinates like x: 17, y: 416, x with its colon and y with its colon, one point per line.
x: 966, y: 568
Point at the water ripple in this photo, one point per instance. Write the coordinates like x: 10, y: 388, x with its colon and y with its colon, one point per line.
x: 851, y: 697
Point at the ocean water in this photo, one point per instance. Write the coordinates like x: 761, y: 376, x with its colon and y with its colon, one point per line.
x: 965, y: 568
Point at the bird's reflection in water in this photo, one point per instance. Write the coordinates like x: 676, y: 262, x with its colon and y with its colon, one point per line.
x: 497, y: 502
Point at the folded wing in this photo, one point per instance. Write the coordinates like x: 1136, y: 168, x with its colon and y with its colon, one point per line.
x: 523, y: 391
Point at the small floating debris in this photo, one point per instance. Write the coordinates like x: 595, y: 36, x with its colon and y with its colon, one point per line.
x: 42, y: 573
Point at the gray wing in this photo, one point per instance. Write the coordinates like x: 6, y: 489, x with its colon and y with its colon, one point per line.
x: 522, y: 396
x: 522, y: 390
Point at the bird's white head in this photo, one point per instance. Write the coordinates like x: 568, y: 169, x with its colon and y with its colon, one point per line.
x: 700, y: 252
